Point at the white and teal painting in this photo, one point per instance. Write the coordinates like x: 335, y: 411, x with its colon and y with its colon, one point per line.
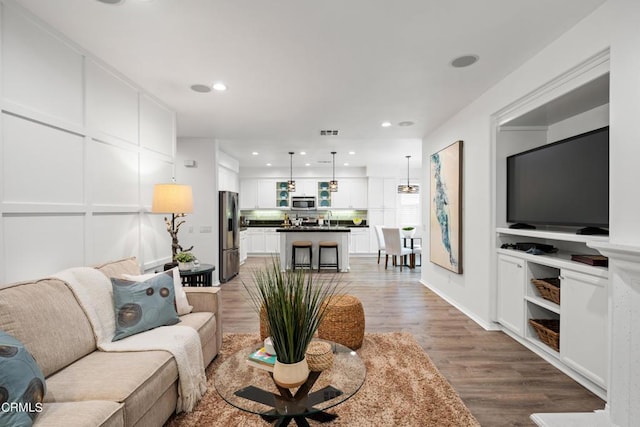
x: 445, y: 238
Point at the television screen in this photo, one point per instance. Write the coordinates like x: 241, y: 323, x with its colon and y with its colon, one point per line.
x: 565, y: 183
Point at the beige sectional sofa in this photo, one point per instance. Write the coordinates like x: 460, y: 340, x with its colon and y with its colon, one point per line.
x: 88, y: 387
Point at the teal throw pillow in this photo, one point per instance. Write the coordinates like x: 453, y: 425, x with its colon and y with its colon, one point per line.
x: 22, y: 384
x: 141, y: 306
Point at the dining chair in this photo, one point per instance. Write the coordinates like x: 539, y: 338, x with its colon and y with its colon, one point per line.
x: 380, y: 238
x: 393, y: 246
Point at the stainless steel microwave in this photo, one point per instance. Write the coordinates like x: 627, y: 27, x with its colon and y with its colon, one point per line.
x: 303, y: 203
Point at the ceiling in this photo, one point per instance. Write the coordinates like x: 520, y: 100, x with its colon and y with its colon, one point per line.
x: 295, y: 67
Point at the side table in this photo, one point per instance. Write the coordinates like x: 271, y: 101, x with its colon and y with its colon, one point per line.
x: 197, y: 276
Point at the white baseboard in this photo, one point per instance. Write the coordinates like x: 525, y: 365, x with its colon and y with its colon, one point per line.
x: 488, y: 326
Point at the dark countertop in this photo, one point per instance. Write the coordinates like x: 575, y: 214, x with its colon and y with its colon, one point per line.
x: 313, y: 229
x: 278, y: 224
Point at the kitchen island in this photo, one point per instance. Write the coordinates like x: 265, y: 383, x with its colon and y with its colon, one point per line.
x: 315, y: 234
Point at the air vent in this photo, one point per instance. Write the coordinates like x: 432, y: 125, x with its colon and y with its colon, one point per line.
x: 325, y: 161
x: 328, y: 132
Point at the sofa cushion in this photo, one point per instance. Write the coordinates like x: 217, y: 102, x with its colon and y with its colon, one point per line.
x: 205, y: 324
x: 140, y: 306
x: 136, y: 378
x: 90, y: 413
x: 45, y: 316
x: 120, y: 267
x: 21, y: 383
x: 182, y: 304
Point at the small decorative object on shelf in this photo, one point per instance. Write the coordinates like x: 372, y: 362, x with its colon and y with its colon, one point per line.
x: 595, y: 260
x: 357, y: 221
x: 185, y: 260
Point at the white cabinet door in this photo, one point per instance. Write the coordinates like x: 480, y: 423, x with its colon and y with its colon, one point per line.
x: 244, y: 250
x: 351, y: 194
x: 583, y: 324
x: 382, y: 193
x: 511, y: 276
x: 359, y: 243
x: 272, y: 241
x: 306, y: 187
x: 256, y: 240
x: 267, y: 194
x: 248, y: 194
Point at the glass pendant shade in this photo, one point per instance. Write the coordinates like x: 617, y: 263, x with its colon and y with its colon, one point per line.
x: 408, y: 188
x: 291, y: 184
x: 333, y: 184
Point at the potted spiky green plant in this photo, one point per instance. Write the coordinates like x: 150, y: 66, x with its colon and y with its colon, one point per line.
x: 294, y: 304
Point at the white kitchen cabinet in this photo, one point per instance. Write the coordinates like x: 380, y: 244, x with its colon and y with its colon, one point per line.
x: 257, y: 193
x: 306, y: 187
x: 382, y: 193
x: 244, y: 248
x: 511, y: 304
x: 351, y: 194
x: 272, y: 241
x: 583, y: 326
x: 256, y: 242
x: 359, y: 243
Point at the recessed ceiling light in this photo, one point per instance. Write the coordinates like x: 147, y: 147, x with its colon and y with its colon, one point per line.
x: 346, y: 164
x: 201, y: 88
x: 254, y: 153
x: 352, y: 152
x: 385, y: 124
x: 268, y: 164
x: 406, y: 123
x: 220, y: 87
x: 303, y: 153
x: 111, y: 1
x: 307, y: 164
x: 464, y: 61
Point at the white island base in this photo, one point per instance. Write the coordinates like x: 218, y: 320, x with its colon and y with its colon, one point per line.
x: 315, y: 235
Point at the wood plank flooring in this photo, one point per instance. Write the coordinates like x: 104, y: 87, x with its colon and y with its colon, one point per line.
x: 499, y: 380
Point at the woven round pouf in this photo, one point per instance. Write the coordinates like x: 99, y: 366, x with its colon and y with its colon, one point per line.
x: 343, y: 322
x: 264, y: 324
x: 319, y: 356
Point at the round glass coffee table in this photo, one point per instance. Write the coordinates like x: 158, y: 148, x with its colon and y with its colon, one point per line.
x: 253, y: 389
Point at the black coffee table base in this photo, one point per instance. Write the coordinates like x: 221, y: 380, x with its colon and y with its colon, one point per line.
x: 301, y: 402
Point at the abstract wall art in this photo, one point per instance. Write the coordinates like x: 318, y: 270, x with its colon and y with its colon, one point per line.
x: 445, y: 237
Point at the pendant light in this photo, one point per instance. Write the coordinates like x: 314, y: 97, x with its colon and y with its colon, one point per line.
x: 291, y: 184
x: 410, y: 189
x: 333, y: 184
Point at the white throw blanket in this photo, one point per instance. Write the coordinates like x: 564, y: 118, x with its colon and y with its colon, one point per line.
x: 94, y: 292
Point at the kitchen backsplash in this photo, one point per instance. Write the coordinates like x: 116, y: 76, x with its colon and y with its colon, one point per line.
x: 342, y: 216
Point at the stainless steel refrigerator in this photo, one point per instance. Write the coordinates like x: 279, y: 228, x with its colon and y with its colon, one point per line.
x: 229, y: 235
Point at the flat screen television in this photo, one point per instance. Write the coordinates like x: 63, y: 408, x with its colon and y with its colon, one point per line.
x: 565, y: 183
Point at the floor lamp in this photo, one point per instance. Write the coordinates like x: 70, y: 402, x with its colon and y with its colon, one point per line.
x: 176, y: 199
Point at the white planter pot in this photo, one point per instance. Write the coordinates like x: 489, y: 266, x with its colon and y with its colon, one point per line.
x: 290, y: 375
x: 185, y: 265
x: 408, y: 233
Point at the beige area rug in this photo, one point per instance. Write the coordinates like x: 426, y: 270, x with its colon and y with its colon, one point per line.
x: 402, y: 388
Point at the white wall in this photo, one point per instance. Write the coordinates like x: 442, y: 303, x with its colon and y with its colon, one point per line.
x: 473, y: 290
x: 81, y: 149
x: 201, y: 228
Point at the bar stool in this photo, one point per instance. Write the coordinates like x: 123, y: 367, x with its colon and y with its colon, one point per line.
x: 328, y: 245
x: 301, y: 244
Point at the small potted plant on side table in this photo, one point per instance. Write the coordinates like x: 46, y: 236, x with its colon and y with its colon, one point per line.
x: 185, y: 260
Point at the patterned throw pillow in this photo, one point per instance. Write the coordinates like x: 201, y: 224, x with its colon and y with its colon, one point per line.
x: 182, y: 304
x: 141, y: 306
x: 22, y: 385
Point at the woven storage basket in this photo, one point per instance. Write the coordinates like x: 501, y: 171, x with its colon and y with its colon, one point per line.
x: 549, y: 288
x: 319, y: 356
x: 548, y: 331
x: 343, y: 322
